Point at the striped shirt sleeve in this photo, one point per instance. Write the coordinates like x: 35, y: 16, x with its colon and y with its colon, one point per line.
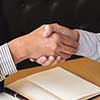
x: 7, y: 66
x: 89, y: 45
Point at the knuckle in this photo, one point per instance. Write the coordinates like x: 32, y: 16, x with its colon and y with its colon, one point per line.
x: 74, y: 44
x: 44, y: 25
x: 72, y: 50
x: 71, y: 43
x: 56, y: 24
x: 56, y: 37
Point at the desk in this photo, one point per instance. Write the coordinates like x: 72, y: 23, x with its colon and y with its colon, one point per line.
x: 83, y: 67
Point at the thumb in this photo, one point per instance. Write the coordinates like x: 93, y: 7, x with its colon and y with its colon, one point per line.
x: 47, y: 31
x: 62, y: 30
x: 32, y: 59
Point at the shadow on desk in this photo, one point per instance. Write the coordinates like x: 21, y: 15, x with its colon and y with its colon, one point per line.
x: 27, y: 64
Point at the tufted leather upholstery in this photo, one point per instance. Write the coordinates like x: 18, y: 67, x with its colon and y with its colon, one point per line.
x: 23, y: 16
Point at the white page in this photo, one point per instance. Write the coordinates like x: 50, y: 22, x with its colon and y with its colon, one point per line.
x: 64, y: 84
x: 5, y: 96
x: 31, y: 91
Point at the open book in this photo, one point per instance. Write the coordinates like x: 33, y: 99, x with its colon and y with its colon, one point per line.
x: 55, y: 84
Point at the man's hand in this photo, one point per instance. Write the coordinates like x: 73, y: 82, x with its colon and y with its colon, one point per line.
x: 49, y: 30
x: 35, y: 45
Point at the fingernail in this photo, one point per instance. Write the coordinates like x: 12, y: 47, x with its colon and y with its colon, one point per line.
x: 42, y: 59
x: 52, y: 58
x: 32, y: 60
x: 59, y: 57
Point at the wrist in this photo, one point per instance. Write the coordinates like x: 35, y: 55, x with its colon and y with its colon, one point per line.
x: 17, y: 49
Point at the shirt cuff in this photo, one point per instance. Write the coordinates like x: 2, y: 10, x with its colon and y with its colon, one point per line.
x: 7, y: 66
x: 88, y: 45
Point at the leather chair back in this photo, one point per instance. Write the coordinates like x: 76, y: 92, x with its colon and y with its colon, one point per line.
x: 24, y: 16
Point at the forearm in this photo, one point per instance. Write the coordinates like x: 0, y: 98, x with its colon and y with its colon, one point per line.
x: 17, y: 49
x: 10, y: 54
x: 89, y: 45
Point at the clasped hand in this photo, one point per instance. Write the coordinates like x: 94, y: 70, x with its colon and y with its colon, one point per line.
x: 47, y: 45
x: 58, y: 44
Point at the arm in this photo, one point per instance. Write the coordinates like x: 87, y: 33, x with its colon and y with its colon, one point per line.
x: 73, y: 38
x: 89, y: 44
x: 32, y: 45
x: 18, y: 50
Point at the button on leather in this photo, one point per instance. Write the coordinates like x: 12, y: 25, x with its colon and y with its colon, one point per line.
x: 54, y: 5
x: 27, y: 8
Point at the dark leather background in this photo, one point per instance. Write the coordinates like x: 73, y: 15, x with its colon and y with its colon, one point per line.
x: 23, y: 16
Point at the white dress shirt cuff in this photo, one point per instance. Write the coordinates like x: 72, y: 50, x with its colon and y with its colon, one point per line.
x: 7, y: 66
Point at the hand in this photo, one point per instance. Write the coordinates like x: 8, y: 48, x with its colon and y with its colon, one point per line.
x: 45, y: 61
x: 73, y: 34
x: 34, y: 45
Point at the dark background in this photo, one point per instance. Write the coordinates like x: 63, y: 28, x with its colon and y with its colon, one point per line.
x: 19, y: 17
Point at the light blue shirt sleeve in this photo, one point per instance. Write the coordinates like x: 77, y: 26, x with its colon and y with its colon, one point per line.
x: 89, y: 45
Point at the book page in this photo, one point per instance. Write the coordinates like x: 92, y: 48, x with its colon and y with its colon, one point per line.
x: 64, y: 84
x: 31, y: 91
x: 5, y: 96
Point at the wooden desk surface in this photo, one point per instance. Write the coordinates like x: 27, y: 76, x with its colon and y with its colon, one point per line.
x: 83, y: 67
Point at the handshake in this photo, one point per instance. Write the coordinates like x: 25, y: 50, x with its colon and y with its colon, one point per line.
x: 47, y: 45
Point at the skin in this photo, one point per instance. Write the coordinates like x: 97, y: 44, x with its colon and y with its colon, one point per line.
x: 36, y: 45
x: 73, y: 38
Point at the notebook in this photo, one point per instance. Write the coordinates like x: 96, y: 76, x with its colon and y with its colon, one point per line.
x: 55, y: 84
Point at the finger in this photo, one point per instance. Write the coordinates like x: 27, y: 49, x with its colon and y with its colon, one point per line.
x: 58, y: 60
x: 49, y: 29
x: 57, y: 28
x: 61, y: 29
x: 68, y: 41
x: 66, y: 49
x: 32, y: 59
x: 51, y: 59
x: 41, y: 60
x: 64, y: 56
